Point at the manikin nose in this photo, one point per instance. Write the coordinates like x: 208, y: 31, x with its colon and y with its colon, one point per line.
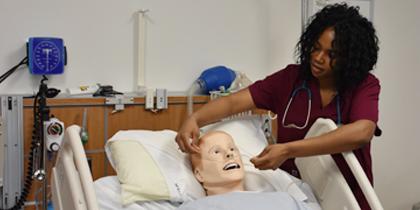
x: 229, y: 155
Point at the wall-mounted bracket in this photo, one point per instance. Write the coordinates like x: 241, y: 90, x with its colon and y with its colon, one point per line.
x: 11, y: 128
x: 119, y: 101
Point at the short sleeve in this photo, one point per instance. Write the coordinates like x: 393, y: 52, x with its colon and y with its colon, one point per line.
x: 365, y: 100
x: 266, y: 93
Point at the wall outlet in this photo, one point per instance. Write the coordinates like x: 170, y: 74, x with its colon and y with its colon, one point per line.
x: 149, y: 101
x: 161, y: 99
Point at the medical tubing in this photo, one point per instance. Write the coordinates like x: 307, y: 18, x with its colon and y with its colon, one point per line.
x: 194, y: 87
x: 303, y: 87
x: 338, y: 111
x: 13, y: 69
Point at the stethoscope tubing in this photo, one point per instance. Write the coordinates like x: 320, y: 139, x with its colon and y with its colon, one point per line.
x: 295, y: 91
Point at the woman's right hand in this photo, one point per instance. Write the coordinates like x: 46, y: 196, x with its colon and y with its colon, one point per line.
x: 188, y: 134
x: 187, y: 137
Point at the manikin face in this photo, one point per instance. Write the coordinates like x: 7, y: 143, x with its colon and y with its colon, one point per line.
x: 322, y: 55
x: 219, y: 162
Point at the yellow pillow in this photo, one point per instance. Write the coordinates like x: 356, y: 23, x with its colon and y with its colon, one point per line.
x: 140, y: 177
x: 150, y: 167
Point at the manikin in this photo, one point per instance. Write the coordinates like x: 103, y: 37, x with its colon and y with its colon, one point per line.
x: 218, y: 165
x: 219, y: 169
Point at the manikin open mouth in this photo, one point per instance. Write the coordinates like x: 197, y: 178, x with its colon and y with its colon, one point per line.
x: 231, y: 166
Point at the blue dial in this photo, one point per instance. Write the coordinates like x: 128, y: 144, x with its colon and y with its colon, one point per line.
x: 46, y: 55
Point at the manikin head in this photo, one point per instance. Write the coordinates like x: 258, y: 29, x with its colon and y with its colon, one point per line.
x: 218, y: 166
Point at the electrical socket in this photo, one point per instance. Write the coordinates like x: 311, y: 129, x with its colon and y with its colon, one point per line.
x: 161, y: 99
x: 150, y: 96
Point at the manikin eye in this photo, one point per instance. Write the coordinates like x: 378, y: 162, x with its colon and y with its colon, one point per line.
x: 216, y: 151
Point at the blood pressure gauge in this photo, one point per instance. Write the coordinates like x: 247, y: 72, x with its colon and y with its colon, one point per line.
x: 46, y: 55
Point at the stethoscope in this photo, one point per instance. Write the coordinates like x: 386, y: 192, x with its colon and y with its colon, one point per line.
x: 304, y: 87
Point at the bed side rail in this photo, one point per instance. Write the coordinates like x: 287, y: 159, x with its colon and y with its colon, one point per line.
x: 72, y: 181
x: 363, y: 181
x: 328, y: 125
x: 82, y: 165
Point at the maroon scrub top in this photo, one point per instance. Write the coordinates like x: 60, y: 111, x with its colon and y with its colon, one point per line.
x: 273, y: 93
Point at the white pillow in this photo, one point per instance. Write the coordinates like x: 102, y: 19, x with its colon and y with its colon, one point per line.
x: 150, y: 166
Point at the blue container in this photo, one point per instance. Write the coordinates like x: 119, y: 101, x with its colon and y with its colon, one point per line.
x: 213, y: 78
x: 50, y: 206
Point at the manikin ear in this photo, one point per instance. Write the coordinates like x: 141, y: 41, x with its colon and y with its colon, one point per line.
x: 197, y: 175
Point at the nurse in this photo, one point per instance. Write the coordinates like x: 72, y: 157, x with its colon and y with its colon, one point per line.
x: 335, y: 54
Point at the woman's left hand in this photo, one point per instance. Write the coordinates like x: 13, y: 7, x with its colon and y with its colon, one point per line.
x: 271, y: 157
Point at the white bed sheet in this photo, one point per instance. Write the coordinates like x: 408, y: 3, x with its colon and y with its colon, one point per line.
x: 108, y: 193
x: 247, y: 201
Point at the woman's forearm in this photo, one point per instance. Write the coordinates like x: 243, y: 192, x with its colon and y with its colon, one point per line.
x: 345, y: 138
x: 223, y: 107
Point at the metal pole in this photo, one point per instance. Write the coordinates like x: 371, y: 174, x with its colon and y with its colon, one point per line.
x: 45, y: 115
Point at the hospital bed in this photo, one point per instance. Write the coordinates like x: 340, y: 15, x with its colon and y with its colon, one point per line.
x: 73, y: 186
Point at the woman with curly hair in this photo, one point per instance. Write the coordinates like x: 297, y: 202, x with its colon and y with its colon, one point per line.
x: 335, y: 53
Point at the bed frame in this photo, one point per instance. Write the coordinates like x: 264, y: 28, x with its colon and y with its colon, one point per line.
x: 72, y: 184
x: 326, y: 180
x: 71, y: 181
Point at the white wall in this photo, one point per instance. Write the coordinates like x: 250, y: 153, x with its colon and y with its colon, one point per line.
x: 284, y: 31
x: 184, y: 37
x: 396, y: 154
x: 253, y: 36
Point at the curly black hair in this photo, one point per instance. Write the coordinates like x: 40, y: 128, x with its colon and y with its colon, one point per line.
x: 355, y: 44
